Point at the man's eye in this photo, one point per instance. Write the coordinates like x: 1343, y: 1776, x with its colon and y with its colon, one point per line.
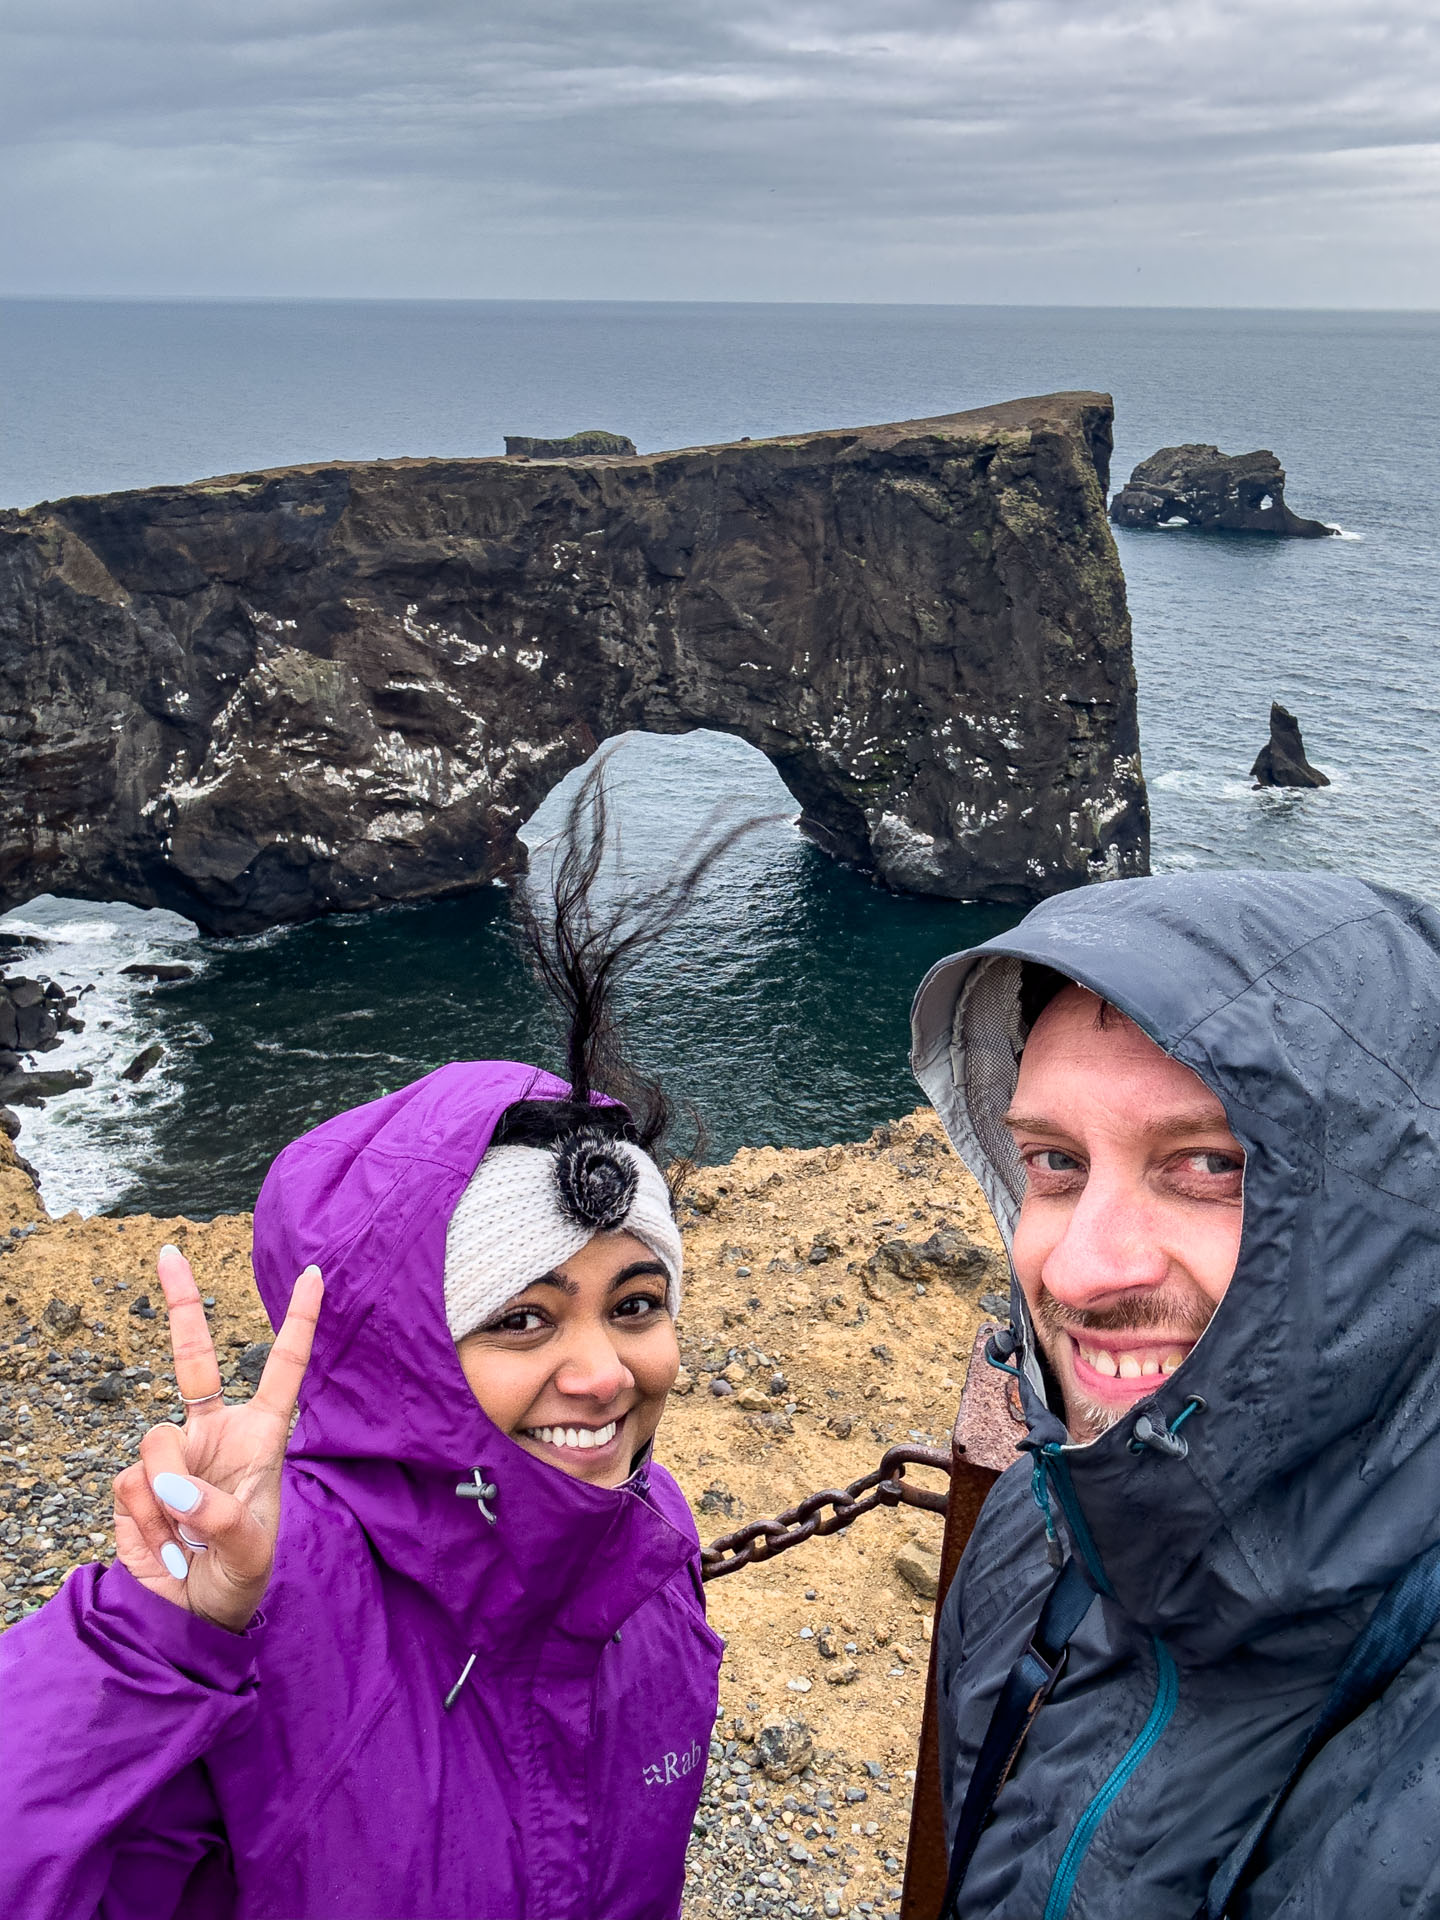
x: 1217, y: 1164
x: 1052, y: 1160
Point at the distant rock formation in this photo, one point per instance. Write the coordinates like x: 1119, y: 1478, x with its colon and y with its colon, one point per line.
x: 594, y: 440
x: 1199, y: 486
x: 1281, y: 761
x: 261, y: 698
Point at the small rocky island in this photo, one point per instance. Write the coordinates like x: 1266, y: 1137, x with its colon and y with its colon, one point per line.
x: 1281, y: 761
x: 588, y: 442
x: 1199, y: 486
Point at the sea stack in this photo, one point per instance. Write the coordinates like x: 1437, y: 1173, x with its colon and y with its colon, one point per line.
x: 1281, y: 761
x: 1199, y: 486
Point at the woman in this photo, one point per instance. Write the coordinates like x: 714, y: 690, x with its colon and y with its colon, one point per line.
x: 445, y: 1654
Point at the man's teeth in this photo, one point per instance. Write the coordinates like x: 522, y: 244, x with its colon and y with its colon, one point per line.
x: 1132, y: 1365
x: 574, y: 1436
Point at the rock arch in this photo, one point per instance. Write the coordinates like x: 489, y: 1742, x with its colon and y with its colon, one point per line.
x: 265, y: 697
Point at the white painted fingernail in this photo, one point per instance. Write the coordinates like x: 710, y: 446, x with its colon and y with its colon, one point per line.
x: 169, y: 1247
x: 176, y: 1565
x: 176, y: 1491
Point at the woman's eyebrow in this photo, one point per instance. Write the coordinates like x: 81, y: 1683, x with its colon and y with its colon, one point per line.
x: 556, y: 1280
x: 635, y: 1269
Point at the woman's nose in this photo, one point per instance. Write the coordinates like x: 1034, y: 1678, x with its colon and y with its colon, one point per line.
x: 1111, y: 1244
x: 592, y: 1368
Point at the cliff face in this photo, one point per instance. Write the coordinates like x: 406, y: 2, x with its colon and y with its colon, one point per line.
x: 261, y: 698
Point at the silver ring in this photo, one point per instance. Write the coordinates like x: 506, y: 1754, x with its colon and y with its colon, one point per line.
x: 195, y: 1546
x: 201, y: 1398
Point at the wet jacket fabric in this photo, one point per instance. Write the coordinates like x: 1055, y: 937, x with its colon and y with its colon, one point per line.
x: 1236, y: 1578
x: 152, y: 1764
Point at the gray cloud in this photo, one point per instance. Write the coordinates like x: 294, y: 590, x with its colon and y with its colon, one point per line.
x: 1064, y: 150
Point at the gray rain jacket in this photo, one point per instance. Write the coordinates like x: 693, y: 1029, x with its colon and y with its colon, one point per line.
x: 1239, y: 1575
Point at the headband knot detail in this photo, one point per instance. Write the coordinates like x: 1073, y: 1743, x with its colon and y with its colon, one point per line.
x: 596, y: 1183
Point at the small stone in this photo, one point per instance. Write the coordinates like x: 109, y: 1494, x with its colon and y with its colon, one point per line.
x: 802, y: 1685
x: 841, y: 1425
x: 717, y: 1498
x: 721, y: 1387
x: 750, y: 1401
x: 843, y: 1672
x: 920, y: 1568
x: 798, y: 1851
x: 742, y: 1273
x: 61, y: 1317
x: 109, y: 1391
x: 784, y: 1747
x: 994, y: 1303
x: 251, y: 1363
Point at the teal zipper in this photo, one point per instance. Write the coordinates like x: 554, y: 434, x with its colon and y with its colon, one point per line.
x: 1167, y: 1692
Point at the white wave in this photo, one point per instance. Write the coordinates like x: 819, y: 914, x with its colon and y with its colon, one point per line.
x: 1342, y: 533
x: 90, y: 1145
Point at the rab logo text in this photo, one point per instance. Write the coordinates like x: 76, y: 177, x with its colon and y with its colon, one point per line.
x: 673, y: 1766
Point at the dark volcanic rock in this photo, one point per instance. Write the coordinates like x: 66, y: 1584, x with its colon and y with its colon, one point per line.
x: 257, y: 699
x: 1281, y: 761
x: 159, y: 970
x: 1202, y: 487
x: 147, y: 1058
x: 593, y: 440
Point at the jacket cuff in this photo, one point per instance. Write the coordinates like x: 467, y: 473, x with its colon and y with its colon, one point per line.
x: 209, y: 1655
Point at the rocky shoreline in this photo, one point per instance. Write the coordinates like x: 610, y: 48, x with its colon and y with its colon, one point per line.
x: 833, y: 1295
x: 35, y: 1015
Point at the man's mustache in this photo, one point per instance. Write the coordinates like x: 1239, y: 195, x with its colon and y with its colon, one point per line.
x: 1186, y: 1315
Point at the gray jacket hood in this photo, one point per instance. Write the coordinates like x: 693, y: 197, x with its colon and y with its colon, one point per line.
x: 1310, y: 1005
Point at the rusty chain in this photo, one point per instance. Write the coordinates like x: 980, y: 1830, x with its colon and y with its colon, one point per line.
x: 884, y: 1487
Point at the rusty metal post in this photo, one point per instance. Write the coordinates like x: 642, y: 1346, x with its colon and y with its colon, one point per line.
x: 981, y: 1446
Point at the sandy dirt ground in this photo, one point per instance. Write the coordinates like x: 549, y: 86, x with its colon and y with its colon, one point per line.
x: 832, y: 1298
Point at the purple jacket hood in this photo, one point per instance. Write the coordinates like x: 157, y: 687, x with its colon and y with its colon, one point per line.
x: 387, y: 1420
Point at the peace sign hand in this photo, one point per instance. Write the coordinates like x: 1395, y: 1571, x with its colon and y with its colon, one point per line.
x: 196, y: 1518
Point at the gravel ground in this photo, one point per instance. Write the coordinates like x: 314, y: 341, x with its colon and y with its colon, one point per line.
x: 793, y: 1846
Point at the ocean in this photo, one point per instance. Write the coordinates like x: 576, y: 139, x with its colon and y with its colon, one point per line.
x: 779, y: 1010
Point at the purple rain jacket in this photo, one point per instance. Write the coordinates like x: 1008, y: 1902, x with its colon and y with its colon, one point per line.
x: 153, y: 1765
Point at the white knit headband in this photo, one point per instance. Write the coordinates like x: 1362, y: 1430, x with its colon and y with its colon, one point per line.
x: 527, y: 1210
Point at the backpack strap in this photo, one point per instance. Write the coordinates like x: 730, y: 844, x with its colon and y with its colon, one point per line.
x: 1407, y: 1612
x: 1026, y: 1689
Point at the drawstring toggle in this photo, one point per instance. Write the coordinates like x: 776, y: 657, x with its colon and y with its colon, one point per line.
x: 480, y: 1490
x: 1162, y: 1439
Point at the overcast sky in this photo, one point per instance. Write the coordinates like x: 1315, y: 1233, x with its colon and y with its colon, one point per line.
x: 1192, y: 152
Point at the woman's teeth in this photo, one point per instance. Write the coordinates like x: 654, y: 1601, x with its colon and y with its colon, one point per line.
x: 574, y: 1436
x: 1132, y: 1365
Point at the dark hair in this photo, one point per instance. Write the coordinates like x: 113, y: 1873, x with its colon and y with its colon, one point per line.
x: 1039, y: 986
x: 581, y: 952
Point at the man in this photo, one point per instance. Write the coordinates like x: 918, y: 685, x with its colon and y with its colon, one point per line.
x: 1206, y: 1112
